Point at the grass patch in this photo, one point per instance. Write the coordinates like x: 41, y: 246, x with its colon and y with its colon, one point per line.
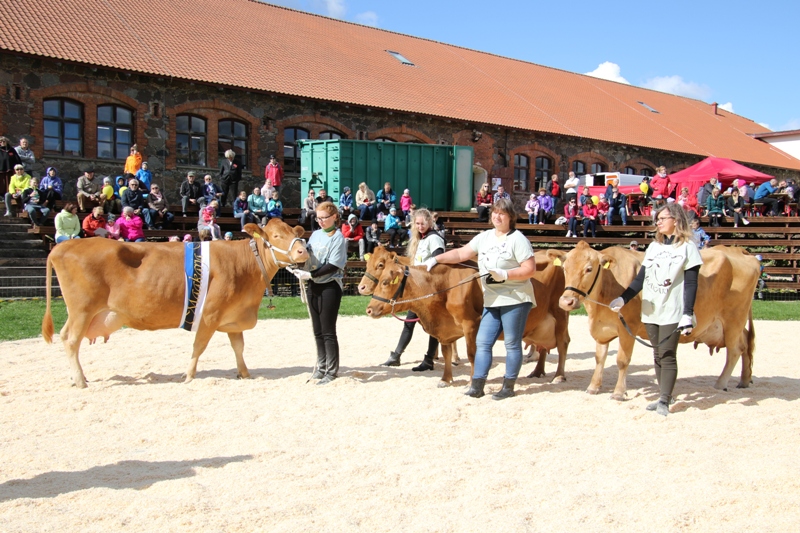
x: 22, y: 319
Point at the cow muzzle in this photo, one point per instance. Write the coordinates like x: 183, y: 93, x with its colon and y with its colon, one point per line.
x: 568, y: 303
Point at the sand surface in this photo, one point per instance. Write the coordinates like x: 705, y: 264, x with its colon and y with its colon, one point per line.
x: 385, y: 449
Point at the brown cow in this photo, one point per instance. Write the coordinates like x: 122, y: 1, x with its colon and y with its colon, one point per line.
x: 109, y: 284
x: 725, y: 289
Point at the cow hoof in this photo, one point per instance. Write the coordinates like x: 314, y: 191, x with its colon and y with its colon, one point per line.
x: 559, y: 379
x: 243, y: 376
x: 742, y: 385
x: 443, y: 384
x: 592, y: 391
x: 618, y: 397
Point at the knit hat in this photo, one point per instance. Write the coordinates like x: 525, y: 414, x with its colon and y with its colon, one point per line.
x: 393, y: 210
x: 187, y: 238
x: 229, y: 234
x: 406, y: 191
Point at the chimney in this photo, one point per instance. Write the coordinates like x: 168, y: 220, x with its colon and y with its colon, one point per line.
x: 714, y: 107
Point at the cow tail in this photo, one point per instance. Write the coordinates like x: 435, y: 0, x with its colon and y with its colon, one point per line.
x: 751, y: 339
x: 47, y: 321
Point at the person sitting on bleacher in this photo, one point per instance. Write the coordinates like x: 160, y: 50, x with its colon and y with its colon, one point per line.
x: 322, y: 198
x: 547, y: 205
x: 308, y: 211
x: 602, y: 209
x: 241, y: 209
x: 762, y: 196
x: 257, y: 205
x: 94, y: 224
x: 735, y: 207
x: 19, y: 182
x: 275, y: 206
x: 267, y: 189
x: 130, y: 225
x: 701, y: 238
x: 346, y: 206
x: 532, y: 208
x: 158, y: 214
x: 618, y: 204
x: 365, y: 202
x: 68, y: 226
x: 590, y: 214
x: 386, y: 198
x: 586, y: 197
x: 89, y: 191
x: 211, y: 191
x: 207, y: 221
x: 715, y: 206
x: 191, y: 193
x: 571, y: 213
x: 32, y: 201
x: 391, y: 226
x: 51, y: 188
x: 483, y: 202
x: 353, y: 232
x: 373, y: 237
x: 438, y: 225
x: 110, y: 202
x: 689, y: 203
x: 132, y: 197
x: 500, y: 194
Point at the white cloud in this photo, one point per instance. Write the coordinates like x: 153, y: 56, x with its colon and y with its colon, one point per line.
x: 367, y: 18
x: 765, y: 125
x: 677, y: 85
x: 727, y: 107
x: 793, y: 124
x: 608, y: 71
x: 331, y: 8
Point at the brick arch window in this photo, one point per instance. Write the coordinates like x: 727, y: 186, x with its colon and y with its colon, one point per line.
x: 629, y: 170
x: 190, y: 140
x: 291, y: 151
x: 544, y: 167
x: 647, y: 171
x: 233, y: 135
x: 63, y: 127
x: 522, y: 168
x: 114, y: 131
x: 598, y: 167
x: 384, y: 140
x: 329, y: 135
x: 579, y: 168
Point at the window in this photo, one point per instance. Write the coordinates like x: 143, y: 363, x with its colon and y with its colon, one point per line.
x: 598, y: 167
x: 629, y: 170
x: 543, y: 167
x: 579, y: 168
x: 384, y: 140
x: 521, y: 172
x: 63, y: 127
x: 646, y: 171
x: 190, y: 140
x: 114, y: 131
x: 328, y: 135
x: 291, y: 151
x: 398, y: 56
x: 647, y: 107
x: 233, y: 136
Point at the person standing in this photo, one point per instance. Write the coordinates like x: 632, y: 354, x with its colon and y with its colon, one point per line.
x: 274, y: 173
x: 668, y: 279
x: 506, y: 263
x: 327, y: 256
x: 660, y: 183
x: 554, y: 190
x: 134, y: 162
x: 230, y: 174
x: 425, y: 243
x: 571, y: 186
x: 25, y: 154
x: 145, y: 177
x: 8, y: 159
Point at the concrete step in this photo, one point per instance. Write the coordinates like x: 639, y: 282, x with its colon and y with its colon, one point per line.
x: 8, y: 244
x: 22, y: 261
x: 20, y: 253
x: 17, y: 235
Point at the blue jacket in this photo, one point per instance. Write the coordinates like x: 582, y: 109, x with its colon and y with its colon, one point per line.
x: 145, y: 177
x: 274, y: 208
x: 391, y: 221
x: 765, y: 189
x: 381, y: 196
x: 346, y: 200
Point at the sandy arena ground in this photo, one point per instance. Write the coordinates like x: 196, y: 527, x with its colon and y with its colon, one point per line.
x: 385, y: 449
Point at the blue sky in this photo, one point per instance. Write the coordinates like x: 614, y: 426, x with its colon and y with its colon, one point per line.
x: 745, y: 55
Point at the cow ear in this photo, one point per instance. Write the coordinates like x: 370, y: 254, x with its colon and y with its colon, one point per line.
x: 606, y: 261
x: 253, y: 230
x: 299, y: 231
x: 556, y: 257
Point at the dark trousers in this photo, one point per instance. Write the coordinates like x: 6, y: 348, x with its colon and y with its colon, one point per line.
x: 394, y: 234
x: 572, y: 225
x: 370, y: 247
x: 772, y: 203
x: 49, y: 198
x: 483, y: 213
x: 589, y: 224
x: 229, y: 186
x: 323, y: 305
x: 408, y: 332
x: 665, y: 357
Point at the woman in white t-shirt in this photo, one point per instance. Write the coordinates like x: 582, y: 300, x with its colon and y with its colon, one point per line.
x: 571, y: 187
x: 506, y: 256
x: 425, y: 243
x: 668, y: 281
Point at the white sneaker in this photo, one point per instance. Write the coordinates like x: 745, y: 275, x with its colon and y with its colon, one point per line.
x: 8, y: 214
x: 569, y: 234
x: 745, y: 222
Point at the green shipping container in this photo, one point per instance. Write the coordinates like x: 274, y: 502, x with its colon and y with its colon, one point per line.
x: 438, y: 176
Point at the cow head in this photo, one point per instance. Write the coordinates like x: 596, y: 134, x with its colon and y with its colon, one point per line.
x: 386, y: 289
x: 376, y: 262
x: 582, y: 266
x: 285, y: 243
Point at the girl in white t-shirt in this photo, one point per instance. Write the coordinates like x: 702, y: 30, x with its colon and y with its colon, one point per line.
x: 506, y: 256
x: 668, y: 281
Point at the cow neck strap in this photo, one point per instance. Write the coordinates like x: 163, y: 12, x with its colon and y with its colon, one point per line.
x: 260, y: 263
x: 272, y: 248
x: 587, y: 293
x: 398, y: 293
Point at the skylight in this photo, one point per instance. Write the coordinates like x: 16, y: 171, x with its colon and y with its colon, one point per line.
x: 398, y: 56
x: 648, y: 107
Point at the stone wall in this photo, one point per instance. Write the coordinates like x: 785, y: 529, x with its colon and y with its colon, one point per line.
x: 156, y: 102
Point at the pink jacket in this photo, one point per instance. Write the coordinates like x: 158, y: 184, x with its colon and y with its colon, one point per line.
x: 274, y: 173
x: 405, y: 203
x: 130, y: 229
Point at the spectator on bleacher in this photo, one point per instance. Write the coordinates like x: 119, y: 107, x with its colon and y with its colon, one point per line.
x: 386, y: 198
x: 257, y: 205
x: 174, y: 238
x: 617, y: 204
x: 275, y: 206
x: 736, y: 207
x: 353, y: 232
x: 130, y: 225
x: 715, y: 207
x: 228, y: 236
x: 267, y: 189
x: 208, y: 221
x: 241, y: 210
x: 111, y: 204
x: 590, y: 214
x: 500, y: 194
x: 34, y: 205
x: 406, y: 203
x: 230, y: 174
x: 532, y: 208
x: 391, y: 226
x: 705, y: 191
x: 274, y: 173
x: 145, y: 178
x: 585, y: 197
x: 689, y: 203
x: 602, y: 209
x: 554, y: 190
x: 20, y: 181
x: 660, y: 182
x: 8, y: 159
x: 547, y: 206
x: 133, y: 198
x: 119, y: 186
x: 308, y: 211
x: 25, y: 154
x: 134, y: 161
x: 438, y: 225
x: 425, y: 243
x: 90, y: 194
x: 191, y: 193
x: 187, y: 237
x: 750, y: 192
x: 701, y: 238
x: 365, y: 202
x: 68, y: 226
x: 93, y: 222
x: 211, y: 191
x: 346, y: 206
x: 633, y: 246
x: 322, y: 198
x: 157, y: 213
x: 373, y: 237
x: 571, y: 187
x: 646, y: 197
x: 483, y: 202
x: 571, y: 213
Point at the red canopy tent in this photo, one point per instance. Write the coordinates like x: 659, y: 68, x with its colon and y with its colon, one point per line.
x: 724, y: 170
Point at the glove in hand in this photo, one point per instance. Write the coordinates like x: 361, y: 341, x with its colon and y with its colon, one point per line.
x: 430, y: 263
x: 498, y: 274
x: 302, y: 275
x: 616, y: 304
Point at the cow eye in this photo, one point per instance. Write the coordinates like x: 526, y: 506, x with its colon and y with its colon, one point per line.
x: 589, y: 268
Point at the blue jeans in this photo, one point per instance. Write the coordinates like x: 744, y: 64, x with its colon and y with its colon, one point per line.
x: 509, y: 320
x: 367, y: 212
x: 572, y: 225
x: 65, y: 238
x: 622, y: 214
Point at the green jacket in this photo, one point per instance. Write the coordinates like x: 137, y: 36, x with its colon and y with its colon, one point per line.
x: 67, y: 224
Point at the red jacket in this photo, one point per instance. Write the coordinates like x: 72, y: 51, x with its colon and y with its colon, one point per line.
x: 274, y: 173
x: 91, y: 224
x: 660, y: 186
x: 356, y: 233
x: 590, y: 210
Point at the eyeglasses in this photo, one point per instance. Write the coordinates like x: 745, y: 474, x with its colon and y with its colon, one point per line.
x: 659, y: 220
x: 324, y: 218
x: 154, y: 188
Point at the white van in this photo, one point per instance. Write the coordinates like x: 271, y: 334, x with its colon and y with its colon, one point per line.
x: 604, y: 178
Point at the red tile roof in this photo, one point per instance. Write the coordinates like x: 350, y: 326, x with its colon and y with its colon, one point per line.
x: 252, y: 45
